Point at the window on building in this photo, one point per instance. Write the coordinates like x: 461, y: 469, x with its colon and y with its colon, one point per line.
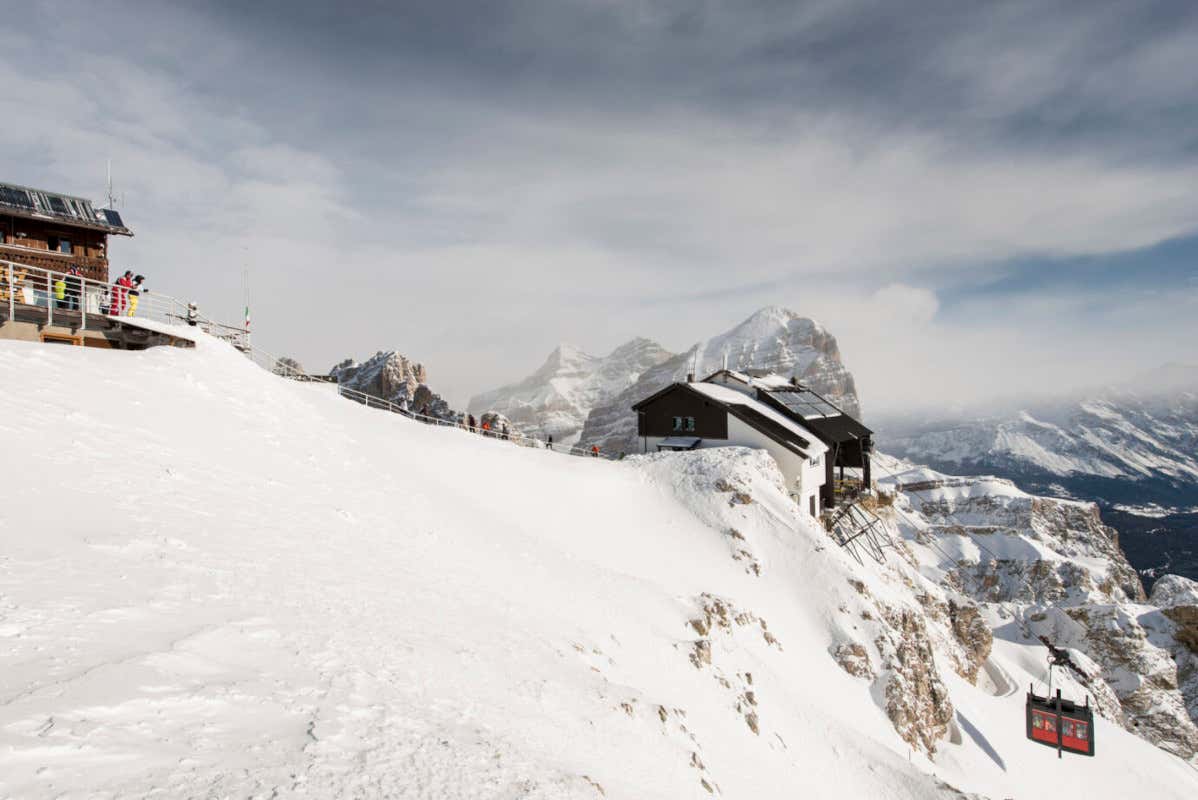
x: 64, y: 246
x: 677, y: 423
x: 690, y: 423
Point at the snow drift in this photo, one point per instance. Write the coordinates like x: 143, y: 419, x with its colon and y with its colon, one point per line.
x: 216, y: 582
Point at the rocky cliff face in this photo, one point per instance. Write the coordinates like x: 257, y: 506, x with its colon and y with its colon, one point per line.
x: 393, y: 377
x: 1039, y: 566
x: 773, y: 338
x: 557, y: 398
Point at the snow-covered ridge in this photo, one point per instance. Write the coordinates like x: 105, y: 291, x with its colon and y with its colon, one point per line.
x: 262, y: 589
x: 1119, y: 435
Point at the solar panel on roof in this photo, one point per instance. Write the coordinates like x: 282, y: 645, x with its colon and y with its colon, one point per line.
x: 112, y: 217
x: 15, y: 197
x: 56, y: 204
x: 807, y: 404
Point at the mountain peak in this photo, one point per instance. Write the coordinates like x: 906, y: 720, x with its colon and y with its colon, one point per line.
x: 771, y: 319
x: 567, y: 350
x: 556, y: 399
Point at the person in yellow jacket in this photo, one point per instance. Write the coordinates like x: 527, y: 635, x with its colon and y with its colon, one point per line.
x: 60, y: 291
x: 135, y: 293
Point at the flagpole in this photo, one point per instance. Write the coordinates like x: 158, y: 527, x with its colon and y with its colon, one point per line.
x: 245, y: 285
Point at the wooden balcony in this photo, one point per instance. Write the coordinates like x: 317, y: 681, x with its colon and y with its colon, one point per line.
x: 92, y: 267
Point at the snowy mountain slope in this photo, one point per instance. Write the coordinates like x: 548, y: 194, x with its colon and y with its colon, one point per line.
x: 1044, y: 566
x: 772, y: 338
x: 1140, y: 446
x: 556, y: 399
x: 215, y: 582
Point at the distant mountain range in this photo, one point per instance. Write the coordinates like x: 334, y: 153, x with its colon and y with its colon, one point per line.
x: 557, y: 398
x: 1131, y: 448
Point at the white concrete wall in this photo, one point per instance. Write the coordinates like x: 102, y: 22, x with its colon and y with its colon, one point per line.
x: 803, y: 479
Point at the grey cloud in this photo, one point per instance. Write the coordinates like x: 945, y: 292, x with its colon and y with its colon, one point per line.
x: 480, y: 180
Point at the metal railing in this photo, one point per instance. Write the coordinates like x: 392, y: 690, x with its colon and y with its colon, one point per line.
x: 515, y: 437
x: 59, y: 298
x: 69, y: 300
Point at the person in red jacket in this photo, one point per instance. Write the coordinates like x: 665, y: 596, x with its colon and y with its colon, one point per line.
x: 119, y: 290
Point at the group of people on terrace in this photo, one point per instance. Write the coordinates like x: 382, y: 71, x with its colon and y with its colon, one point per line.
x: 125, y: 293
x: 67, y: 292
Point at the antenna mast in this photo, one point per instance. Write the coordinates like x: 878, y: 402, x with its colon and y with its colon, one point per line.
x: 111, y: 195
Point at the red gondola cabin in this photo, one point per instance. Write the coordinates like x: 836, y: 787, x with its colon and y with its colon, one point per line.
x: 1061, y: 724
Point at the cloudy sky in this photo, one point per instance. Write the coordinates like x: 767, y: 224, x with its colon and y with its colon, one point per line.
x: 976, y: 198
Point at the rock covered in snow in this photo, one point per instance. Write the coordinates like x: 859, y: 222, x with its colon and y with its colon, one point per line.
x: 1174, y: 590
x: 557, y: 398
x: 1022, y: 548
x: 391, y: 376
x: 287, y: 366
x: 495, y: 424
x: 772, y: 338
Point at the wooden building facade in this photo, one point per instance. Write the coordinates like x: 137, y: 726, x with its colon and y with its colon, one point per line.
x: 55, y: 231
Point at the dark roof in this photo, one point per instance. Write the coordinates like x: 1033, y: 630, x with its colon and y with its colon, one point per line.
x: 22, y: 201
x: 817, y: 414
x: 743, y: 410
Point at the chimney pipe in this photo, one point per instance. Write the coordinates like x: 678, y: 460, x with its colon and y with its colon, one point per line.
x: 690, y: 377
x: 794, y: 380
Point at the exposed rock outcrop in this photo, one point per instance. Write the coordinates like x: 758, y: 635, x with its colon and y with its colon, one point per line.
x: 393, y: 377
x: 917, y: 700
